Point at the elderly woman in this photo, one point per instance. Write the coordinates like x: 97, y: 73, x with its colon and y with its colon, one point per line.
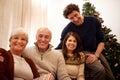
x: 12, y: 65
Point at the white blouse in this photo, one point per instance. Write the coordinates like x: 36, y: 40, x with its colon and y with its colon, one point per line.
x: 22, y: 70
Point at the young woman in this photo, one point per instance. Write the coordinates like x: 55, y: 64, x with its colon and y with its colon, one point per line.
x: 73, y: 55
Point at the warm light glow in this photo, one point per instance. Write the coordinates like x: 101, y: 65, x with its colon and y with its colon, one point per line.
x: 44, y: 2
x: 39, y: 2
x: 36, y: 2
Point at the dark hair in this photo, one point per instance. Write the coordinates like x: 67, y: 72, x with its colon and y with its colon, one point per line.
x: 78, y: 49
x: 69, y: 8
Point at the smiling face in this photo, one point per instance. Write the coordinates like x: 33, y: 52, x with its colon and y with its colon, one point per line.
x: 18, y: 42
x: 43, y: 38
x: 71, y: 44
x: 75, y: 18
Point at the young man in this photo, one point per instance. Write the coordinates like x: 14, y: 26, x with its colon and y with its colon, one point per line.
x: 89, y: 29
x: 46, y: 59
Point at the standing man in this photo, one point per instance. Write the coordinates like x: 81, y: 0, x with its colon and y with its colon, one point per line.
x: 46, y: 59
x: 89, y: 29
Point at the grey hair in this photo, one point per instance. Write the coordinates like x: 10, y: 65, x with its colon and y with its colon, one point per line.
x: 19, y: 31
x: 46, y: 29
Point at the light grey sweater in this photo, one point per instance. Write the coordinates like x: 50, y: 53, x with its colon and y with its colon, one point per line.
x: 51, y: 61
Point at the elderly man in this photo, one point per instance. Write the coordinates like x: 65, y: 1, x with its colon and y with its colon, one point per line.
x: 46, y: 59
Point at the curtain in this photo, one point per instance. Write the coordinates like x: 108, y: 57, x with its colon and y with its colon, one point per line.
x: 29, y: 14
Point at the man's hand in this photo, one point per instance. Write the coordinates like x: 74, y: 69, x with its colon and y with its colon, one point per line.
x: 1, y: 58
x: 49, y: 77
x: 90, y: 58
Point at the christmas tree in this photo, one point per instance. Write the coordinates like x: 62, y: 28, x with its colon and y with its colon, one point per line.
x: 112, y: 47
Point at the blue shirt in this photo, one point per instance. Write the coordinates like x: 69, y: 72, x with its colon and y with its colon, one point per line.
x: 90, y: 33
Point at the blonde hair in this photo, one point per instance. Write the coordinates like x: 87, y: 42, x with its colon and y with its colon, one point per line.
x: 18, y: 31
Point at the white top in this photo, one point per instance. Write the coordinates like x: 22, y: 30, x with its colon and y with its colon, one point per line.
x: 22, y: 70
